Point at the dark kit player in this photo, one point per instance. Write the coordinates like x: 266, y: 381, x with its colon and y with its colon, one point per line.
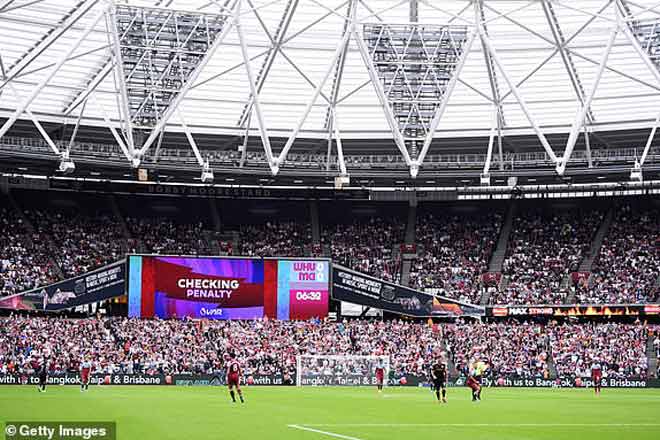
x: 234, y: 378
x: 43, y: 376
x: 439, y: 380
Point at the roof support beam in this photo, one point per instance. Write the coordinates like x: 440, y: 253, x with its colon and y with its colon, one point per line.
x: 479, y: 15
x: 276, y: 43
x: 339, y: 71
x: 35, y: 92
x: 186, y: 87
x: 289, y: 38
x: 189, y: 136
x: 340, y: 149
x: 263, y: 129
x: 491, y: 138
x: 90, y: 87
x: 373, y: 75
x: 584, y: 107
x: 560, y: 41
x: 120, y: 83
x: 624, y: 20
x: 6, y: 7
x: 48, y: 39
x: 488, y: 46
x: 414, y: 169
x: 111, y: 127
x: 36, y: 123
x: 338, y: 51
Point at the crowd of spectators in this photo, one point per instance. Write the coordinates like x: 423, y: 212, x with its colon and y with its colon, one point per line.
x: 619, y: 348
x: 656, y: 347
x: 81, y: 243
x: 515, y: 350
x: 628, y: 265
x: 453, y: 254
x: 24, y: 257
x: 544, y: 248
x: 367, y: 246
x: 165, y: 236
x: 116, y: 345
x: 122, y: 345
x: 452, y: 251
x: 273, y: 239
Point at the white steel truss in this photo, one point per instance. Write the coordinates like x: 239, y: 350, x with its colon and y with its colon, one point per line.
x: 416, y: 66
x: 157, y: 52
x: 153, y: 57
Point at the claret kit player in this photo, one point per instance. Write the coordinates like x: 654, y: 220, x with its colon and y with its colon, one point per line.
x: 474, y: 379
x: 85, y: 370
x: 597, y: 376
x: 234, y: 378
x: 380, y: 374
x: 439, y: 380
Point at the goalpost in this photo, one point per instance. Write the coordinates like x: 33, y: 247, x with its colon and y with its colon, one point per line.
x: 339, y: 370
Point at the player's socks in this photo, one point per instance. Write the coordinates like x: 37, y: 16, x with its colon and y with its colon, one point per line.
x: 437, y: 394
x: 233, y: 396
x: 444, y: 395
x: 240, y: 396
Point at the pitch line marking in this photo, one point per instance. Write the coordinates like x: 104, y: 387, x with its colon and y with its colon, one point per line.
x: 395, y: 425
x: 318, y: 431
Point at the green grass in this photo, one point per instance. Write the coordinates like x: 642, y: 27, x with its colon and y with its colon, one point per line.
x: 200, y: 413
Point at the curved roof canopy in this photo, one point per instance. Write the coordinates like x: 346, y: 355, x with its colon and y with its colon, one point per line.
x: 521, y: 67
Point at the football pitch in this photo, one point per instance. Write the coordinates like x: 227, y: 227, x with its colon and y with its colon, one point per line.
x: 206, y: 413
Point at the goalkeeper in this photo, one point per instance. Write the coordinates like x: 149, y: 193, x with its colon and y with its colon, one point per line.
x: 439, y: 380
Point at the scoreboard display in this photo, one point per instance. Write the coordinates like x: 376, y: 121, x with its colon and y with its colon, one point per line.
x: 227, y: 288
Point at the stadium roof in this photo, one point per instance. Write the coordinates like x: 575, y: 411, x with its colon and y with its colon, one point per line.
x: 553, y: 51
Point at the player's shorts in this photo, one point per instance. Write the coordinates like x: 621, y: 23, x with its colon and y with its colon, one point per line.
x: 84, y: 377
x: 439, y: 384
x: 380, y: 378
x: 473, y: 384
x: 597, y: 377
x: 42, y: 379
x: 233, y: 380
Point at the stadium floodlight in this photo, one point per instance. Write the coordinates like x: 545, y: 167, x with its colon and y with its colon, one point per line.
x: 636, y: 172
x: 339, y: 370
x: 66, y: 164
x: 414, y: 170
x: 342, y: 181
x: 207, y: 173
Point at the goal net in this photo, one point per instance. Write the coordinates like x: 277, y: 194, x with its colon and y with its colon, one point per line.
x: 333, y: 370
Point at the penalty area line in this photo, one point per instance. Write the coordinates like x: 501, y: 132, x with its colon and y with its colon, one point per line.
x: 507, y: 425
x: 318, y: 431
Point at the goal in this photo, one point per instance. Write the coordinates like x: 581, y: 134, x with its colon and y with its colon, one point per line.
x: 336, y: 370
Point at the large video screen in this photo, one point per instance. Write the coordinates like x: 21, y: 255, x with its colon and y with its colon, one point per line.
x: 227, y: 288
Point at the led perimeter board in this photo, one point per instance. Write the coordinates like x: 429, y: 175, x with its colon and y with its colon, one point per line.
x: 227, y: 288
